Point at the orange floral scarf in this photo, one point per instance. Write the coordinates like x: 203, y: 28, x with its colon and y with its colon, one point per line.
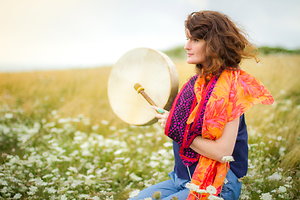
x: 233, y: 94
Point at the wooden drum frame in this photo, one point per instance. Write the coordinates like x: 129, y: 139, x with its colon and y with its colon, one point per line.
x: 149, y: 68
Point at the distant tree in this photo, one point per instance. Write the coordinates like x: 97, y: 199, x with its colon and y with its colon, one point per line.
x: 277, y: 50
x: 179, y: 52
x: 176, y: 52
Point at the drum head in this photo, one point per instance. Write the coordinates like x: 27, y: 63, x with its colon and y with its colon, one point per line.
x: 155, y: 72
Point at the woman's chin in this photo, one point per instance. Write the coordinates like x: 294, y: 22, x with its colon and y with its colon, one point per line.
x: 189, y: 61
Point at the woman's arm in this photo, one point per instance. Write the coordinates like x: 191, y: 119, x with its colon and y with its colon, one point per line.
x: 216, y: 149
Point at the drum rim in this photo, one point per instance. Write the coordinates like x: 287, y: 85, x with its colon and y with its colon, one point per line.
x: 173, y: 78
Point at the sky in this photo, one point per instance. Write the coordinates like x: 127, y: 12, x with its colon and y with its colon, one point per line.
x: 57, y: 34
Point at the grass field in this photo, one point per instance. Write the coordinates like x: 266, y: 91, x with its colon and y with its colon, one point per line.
x: 60, y: 140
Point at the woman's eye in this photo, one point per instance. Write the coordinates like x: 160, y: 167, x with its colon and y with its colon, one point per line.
x: 192, y: 39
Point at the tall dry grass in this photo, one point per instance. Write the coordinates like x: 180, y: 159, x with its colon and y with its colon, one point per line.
x: 69, y: 92
x: 279, y: 74
x: 83, y: 91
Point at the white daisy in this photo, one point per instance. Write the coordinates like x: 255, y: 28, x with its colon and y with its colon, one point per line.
x: 211, y: 189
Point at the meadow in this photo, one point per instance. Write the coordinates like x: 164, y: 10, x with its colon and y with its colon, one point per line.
x: 59, y: 138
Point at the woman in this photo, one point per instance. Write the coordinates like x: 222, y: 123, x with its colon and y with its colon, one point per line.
x: 206, y: 121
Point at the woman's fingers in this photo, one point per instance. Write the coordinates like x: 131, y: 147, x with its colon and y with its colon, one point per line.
x: 161, y: 121
x: 161, y: 115
x: 159, y: 110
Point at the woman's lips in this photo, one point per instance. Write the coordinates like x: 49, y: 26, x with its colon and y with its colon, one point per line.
x: 189, y: 54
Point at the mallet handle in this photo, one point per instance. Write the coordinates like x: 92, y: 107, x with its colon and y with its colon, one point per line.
x: 141, y: 91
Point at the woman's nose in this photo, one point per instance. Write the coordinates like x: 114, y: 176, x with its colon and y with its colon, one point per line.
x: 187, y: 45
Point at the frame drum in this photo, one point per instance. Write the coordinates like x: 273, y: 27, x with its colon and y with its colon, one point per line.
x: 155, y: 72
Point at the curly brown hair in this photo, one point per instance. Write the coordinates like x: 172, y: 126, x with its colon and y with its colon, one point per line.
x: 226, y: 44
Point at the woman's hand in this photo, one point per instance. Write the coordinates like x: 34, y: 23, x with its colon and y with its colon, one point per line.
x: 162, y: 115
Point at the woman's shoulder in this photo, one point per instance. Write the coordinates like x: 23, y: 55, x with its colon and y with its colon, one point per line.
x: 235, y: 72
x: 238, y: 75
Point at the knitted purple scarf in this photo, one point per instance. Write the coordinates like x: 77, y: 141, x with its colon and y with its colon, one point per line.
x: 176, y: 126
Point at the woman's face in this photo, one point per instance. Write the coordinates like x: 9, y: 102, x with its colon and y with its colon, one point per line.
x: 195, y: 49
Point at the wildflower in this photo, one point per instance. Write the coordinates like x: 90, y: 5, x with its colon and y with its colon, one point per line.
x: 211, y: 189
x: 86, y: 121
x: 244, y: 196
x: 63, y: 197
x: 134, y: 193
x: 75, y: 120
x: 51, y: 190
x: 153, y: 164
x: 134, y: 177
x: 104, y: 122
x: 168, y: 144
x: 49, y: 125
x: 282, y: 189
x: 32, y: 190
x: 212, y: 197
x: 227, y: 158
x: 54, y: 112
x: 17, y: 196
x: 88, y: 179
x: 95, y: 127
x: 8, y: 115
x: 3, y: 182
x: 100, y: 171
x: 64, y: 120
x: 162, y: 152
x: 166, y: 162
x: 266, y: 196
x: 80, y: 116
x: 75, y: 183
x: 73, y: 169
x: 191, y: 186
x: 275, y: 177
x: 119, y: 151
x: 84, y: 196
x: 126, y: 160
x: 279, y: 138
x: 123, y: 130
x: 4, y: 190
x: 281, y: 151
x: 289, y: 178
x: 149, y: 134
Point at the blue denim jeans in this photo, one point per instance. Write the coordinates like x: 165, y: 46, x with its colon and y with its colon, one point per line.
x: 176, y: 187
